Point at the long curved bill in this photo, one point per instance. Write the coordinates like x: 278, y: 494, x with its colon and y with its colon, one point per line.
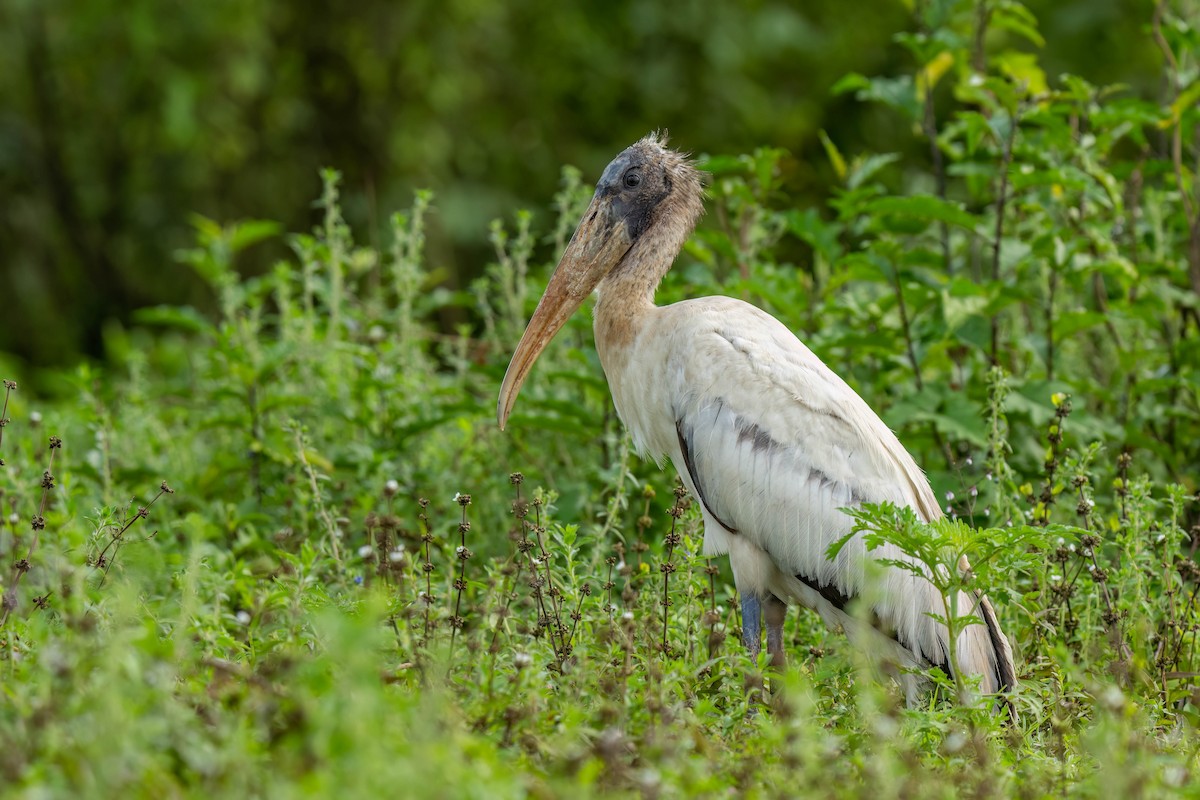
x: 599, y: 243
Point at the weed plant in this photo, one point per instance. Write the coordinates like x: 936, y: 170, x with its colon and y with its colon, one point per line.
x: 286, y: 552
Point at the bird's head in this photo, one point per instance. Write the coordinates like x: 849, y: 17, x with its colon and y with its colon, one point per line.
x: 647, y: 200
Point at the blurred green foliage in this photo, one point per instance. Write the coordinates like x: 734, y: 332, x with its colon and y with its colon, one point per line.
x: 1011, y: 280
x: 119, y: 120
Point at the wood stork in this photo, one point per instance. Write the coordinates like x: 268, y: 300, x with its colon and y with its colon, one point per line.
x: 766, y: 436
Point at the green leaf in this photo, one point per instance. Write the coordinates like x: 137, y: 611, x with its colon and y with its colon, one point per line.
x: 245, y: 234
x: 834, y: 155
x: 181, y: 318
x: 1073, y: 322
x: 864, y: 168
x: 1186, y: 99
x: 924, y: 207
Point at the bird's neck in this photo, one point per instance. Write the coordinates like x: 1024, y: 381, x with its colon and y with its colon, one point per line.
x: 625, y: 298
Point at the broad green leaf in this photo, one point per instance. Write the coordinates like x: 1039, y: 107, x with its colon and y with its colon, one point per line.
x: 932, y: 72
x: 925, y: 207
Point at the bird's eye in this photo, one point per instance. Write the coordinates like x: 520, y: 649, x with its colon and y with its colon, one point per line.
x: 633, y: 179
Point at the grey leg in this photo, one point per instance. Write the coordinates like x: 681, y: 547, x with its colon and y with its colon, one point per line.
x: 775, y: 612
x: 752, y: 625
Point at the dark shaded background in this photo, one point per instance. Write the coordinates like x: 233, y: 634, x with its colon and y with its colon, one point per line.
x: 118, y: 120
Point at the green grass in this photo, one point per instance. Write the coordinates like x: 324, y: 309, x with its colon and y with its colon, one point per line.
x: 310, y: 604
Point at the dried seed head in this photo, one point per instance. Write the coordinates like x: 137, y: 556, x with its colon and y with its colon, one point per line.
x: 462, y: 499
x: 55, y: 443
x: 516, y: 479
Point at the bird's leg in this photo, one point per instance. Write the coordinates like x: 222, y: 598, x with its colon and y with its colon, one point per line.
x: 752, y: 625
x: 775, y: 612
x: 752, y: 639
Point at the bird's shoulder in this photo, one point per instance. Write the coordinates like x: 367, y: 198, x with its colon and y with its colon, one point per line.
x: 742, y: 375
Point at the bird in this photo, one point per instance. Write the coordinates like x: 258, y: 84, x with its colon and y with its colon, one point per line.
x: 772, y: 443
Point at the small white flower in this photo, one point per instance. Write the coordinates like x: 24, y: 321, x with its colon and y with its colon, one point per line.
x: 1113, y: 698
x: 974, y: 492
x: 391, y: 487
x: 35, y: 417
x: 458, y: 551
x: 988, y: 476
x: 949, y: 496
x: 1161, y: 538
x: 14, y: 518
x: 522, y: 660
x: 537, y: 562
x: 970, y: 461
x: 243, y: 617
x: 1175, y: 776
x: 1071, y: 547
x: 365, y: 551
x: 949, y: 509
x: 456, y: 496
x: 1091, y: 503
x: 397, y: 555
x: 987, y: 512
x: 1056, y: 578
x: 627, y: 616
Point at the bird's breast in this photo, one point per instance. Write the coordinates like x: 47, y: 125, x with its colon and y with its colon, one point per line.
x: 636, y: 360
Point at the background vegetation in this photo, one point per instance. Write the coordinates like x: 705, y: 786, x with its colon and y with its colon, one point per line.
x: 280, y: 549
x: 120, y: 120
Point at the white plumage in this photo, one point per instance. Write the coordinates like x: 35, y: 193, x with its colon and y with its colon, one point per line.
x: 768, y: 438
